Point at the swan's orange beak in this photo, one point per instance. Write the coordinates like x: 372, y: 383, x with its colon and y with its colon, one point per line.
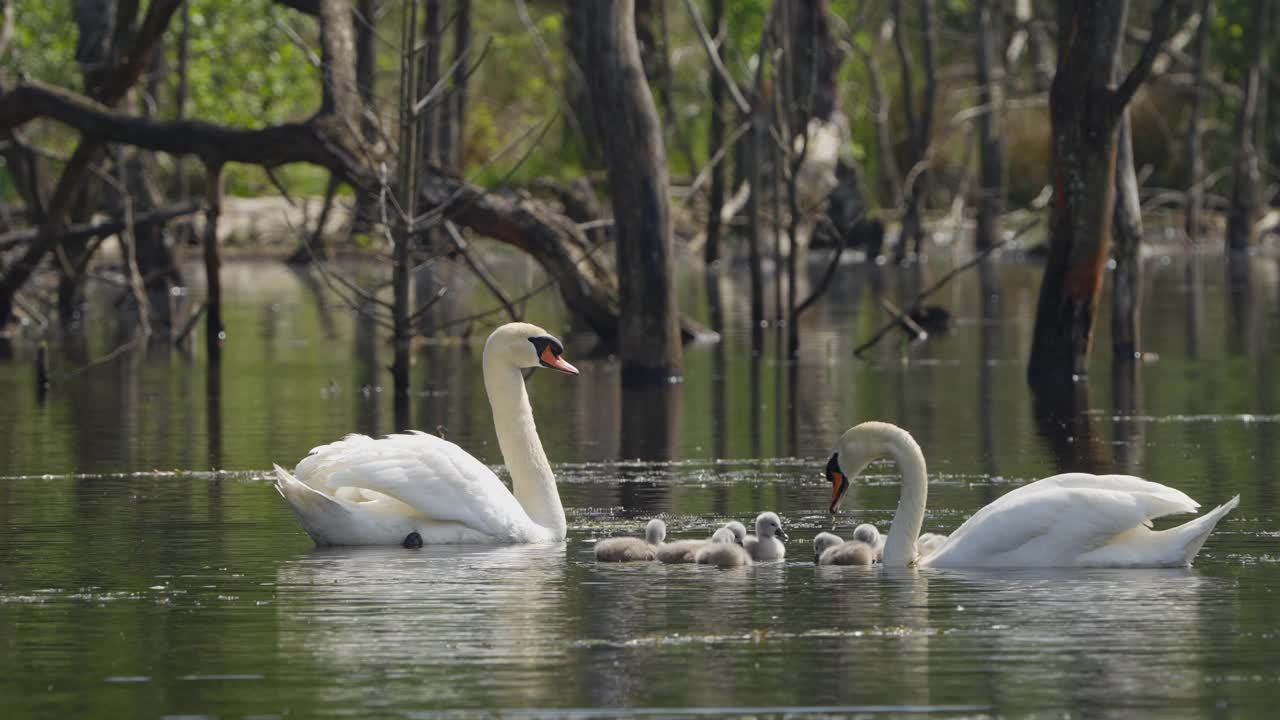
x: 555, y: 362
x: 839, y: 485
x: 839, y: 482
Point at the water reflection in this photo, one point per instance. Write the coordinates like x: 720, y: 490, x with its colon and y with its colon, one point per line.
x: 426, y: 616
x: 208, y: 575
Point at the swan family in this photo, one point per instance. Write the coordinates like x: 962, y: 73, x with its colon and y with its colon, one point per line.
x: 413, y: 489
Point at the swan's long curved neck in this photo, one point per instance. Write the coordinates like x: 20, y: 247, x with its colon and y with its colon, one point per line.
x: 532, y: 481
x: 900, y: 546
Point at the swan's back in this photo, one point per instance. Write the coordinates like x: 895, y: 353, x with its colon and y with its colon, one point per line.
x: 1079, y: 520
x: 421, y: 479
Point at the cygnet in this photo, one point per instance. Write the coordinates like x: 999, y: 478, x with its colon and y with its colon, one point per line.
x: 739, y: 531
x: 630, y: 549
x: 766, y: 544
x: 928, y: 543
x: 685, y: 551
x: 867, y: 533
x: 831, y: 549
x: 723, y: 551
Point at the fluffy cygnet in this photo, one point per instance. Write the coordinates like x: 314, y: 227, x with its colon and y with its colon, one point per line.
x: 829, y: 549
x: 867, y: 533
x: 928, y: 543
x: 685, y: 551
x: 766, y: 544
x: 723, y: 551
x: 630, y: 549
x: 739, y: 531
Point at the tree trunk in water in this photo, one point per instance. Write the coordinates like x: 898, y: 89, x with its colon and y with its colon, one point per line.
x: 366, y: 85
x: 214, y: 331
x: 990, y: 139
x: 1127, y: 278
x: 407, y: 195
x: 1085, y: 113
x: 454, y: 128
x: 921, y: 128
x: 910, y: 219
x: 649, y: 342
x: 711, y: 250
x: 1195, y: 160
x: 1246, y: 191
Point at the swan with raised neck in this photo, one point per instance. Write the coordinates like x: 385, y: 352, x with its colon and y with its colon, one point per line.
x: 1067, y: 520
x: 419, y: 489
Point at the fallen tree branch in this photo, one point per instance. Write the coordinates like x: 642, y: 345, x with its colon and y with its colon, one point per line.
x: 318, y: 141
x: 946, y: 278
x: 15, y: 238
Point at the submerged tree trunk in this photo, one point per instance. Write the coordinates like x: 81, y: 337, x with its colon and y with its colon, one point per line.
x: 1246, y: 191
x: 1195, y: 159
x: 711, y: 250
x: 1085, y: 114
x: 990, y: 139
x: 215, y: 332
x: 649, y: 342
x: 1126, y: 281
x: 921, y: 127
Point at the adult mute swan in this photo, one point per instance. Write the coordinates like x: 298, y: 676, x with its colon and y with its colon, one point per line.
x: 362, y: 491
x: 1069, y: 520
x: 630, y: 549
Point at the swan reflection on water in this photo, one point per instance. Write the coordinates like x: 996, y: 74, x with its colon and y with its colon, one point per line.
x: 427, y: 614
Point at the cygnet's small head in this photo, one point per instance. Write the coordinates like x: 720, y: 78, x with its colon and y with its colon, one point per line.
x: 770, y: 525
x: 822, y: 541
x: 655, y: 532
x: 528, y: 346
x: 724, y: 535
x: 867, y: 533
x: 738, y: 529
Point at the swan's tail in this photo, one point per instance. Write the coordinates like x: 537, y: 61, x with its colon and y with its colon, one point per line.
x: 1194, y: 533
x: 314, y: 510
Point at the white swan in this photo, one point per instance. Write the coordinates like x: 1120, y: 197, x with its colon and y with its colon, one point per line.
x: 765, y: 545
x: 831, y: 549
x: 1069, y: 520
x: 361, y: 491
x: 631, y: 549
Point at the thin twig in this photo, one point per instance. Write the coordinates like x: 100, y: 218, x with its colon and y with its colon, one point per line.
x: 717, y: 64
x: 480, y: 271
x: 190, y: 324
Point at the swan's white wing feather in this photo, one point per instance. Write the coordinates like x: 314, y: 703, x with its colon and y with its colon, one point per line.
x: 435, y: 477
x: 1053, y: 524
x: 1123, y: 483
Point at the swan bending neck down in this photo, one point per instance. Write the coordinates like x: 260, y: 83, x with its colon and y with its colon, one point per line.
x: 1068, y: 520
x: 362, y: 491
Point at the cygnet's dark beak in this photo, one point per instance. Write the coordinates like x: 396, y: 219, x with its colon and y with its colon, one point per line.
x: 781, y: 533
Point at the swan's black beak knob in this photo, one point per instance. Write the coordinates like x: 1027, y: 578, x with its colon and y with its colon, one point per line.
x: 413, y: 541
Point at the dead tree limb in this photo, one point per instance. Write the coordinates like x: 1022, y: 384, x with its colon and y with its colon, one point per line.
x: 946, y: 278
x: 15, y: 238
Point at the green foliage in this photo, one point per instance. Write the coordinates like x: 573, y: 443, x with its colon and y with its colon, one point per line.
x: 244, y: 70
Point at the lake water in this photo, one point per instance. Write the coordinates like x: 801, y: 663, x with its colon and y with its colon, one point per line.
x: 148, y: 568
